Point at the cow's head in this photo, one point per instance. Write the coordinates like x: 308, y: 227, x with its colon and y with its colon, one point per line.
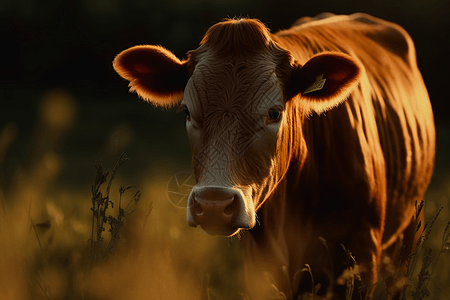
x: 245, y: 98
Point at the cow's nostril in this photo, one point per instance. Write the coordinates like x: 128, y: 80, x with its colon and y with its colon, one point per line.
x: 232, y: 209
x: 197, y: 208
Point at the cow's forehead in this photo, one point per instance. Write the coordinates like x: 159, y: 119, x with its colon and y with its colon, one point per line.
x: 233, y: 86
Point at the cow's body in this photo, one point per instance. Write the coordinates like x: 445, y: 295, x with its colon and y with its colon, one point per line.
x: 368, y: 160
x: 347, y: 177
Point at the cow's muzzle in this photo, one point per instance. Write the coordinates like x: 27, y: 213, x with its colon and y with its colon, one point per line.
x: 218, y: 210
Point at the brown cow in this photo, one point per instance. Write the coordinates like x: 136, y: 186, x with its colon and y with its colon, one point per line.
x: 325, y: 129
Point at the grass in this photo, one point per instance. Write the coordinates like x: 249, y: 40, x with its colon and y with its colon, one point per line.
x: 419, y: 285
x: 100, y: 216
x: 98, y: 237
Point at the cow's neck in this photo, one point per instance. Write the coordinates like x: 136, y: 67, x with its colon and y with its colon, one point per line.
x: 283, y: 224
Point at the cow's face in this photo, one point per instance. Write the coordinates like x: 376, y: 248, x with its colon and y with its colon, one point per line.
x: 242, y: 103
x: 234, y: 114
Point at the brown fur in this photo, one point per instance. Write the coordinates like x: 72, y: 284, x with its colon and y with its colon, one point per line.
x: 348, y: 161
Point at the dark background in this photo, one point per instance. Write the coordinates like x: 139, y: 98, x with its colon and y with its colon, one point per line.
x: 70, y: 44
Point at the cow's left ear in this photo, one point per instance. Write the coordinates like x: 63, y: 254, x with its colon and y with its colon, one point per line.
x: 154, y: 72
x: 324, y: 81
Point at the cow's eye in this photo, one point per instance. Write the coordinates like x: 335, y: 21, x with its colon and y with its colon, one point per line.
x: 186, y: 111
x: 274, y: 114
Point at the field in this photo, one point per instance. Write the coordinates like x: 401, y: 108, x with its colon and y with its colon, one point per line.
x: 52, y: 246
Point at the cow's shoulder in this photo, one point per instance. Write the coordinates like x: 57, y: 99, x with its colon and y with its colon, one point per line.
x: 306, y: 19
x: 390, y: 36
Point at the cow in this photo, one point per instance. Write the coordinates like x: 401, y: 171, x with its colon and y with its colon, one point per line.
x: 312, y: 144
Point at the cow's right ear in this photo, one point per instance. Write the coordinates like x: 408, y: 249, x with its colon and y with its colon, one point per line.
x: 154, y: 72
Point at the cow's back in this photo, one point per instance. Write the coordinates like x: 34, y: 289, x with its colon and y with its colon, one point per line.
x: 379, y: 145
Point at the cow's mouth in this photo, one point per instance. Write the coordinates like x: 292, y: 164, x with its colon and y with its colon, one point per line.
x: 225, y: 231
